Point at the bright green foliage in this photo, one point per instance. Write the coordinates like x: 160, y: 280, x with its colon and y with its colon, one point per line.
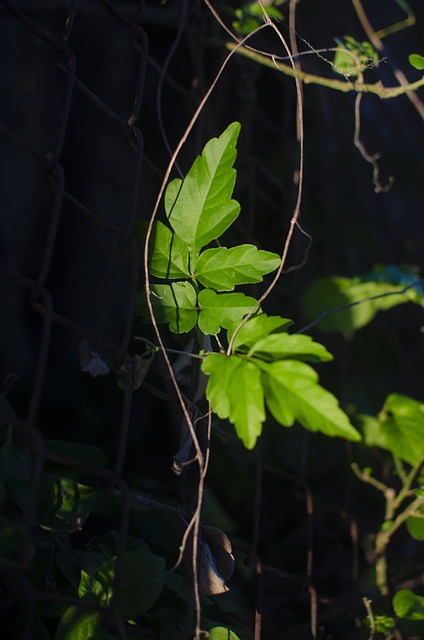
x: 415, y: 524
x: 384, y: 624
x: 334, y: 292
x: 293, y: 393
x: 416, y: 61
x: 251, y: 16
x: 221, y: 310
x: 80, y: 624
x: 174, y: 303
x: 240, y: 384
x: 399, y: 428
x: 221, y: 633
x: 353, y: 57
x: 235, y: 392
x: 223, y: 269
x: 199, y: 209
x: 203, y: 209
x: 168, y: 257
x: 407, y: 604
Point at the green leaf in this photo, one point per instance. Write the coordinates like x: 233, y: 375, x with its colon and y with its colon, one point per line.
x: 408, y: 605
x: 66, y: 506
x: 203, y: 209
x: 415, y: 525
x: 222, y: 633
x: 279, y: 346
x: 235, y: 392
x: 168, y: 255
x: 175, y: 303
x: 223, y: 269
x: 399, y: 428
x: 402, y: 427
x: 292, y: 393
x: 222, y: 310
x: 257, y: 328
x: 416, y: 61
x: 80, y: 624
x: 353, y: 57
x: 143, y: 576
x: 220, y: 368
x: 328, y: 294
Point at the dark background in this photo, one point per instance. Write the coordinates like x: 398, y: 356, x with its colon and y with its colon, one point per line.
x: 69, y: 266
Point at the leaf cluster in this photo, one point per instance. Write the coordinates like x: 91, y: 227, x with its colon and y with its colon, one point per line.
x: 199, y: 209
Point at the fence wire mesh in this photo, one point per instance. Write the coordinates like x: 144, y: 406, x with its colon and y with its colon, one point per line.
x: 93, y: 99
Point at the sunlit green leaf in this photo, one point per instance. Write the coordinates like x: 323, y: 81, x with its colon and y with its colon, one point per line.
x: 328, y: 296
x: 257, y: 328
x: 80, y: 624
x: 222, y: 633
x: 278, y: 346
x: 175, y: 303
x: 168, y: 255
x: 415, y: 525
x: 407, y: 604
x: 221, y: 310
x: 417, y: 61
x: 399, y: 428
x: 353, y: 57
x: 235, y: 392
x: 203, y: 208
x: 292, y: 393
x: 220, y: 368
x: 222, y: 269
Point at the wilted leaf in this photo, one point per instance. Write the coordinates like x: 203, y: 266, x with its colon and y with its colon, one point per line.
x: 91, y: 362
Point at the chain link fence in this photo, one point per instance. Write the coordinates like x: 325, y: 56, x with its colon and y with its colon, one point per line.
x: 92, y: 101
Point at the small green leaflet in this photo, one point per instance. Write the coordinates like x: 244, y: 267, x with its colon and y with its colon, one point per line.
x: 222, y: 633
x: 255, y: 329
x: 293, y: 394
x: 221, y: 310
x: 175, y: 303
x: 353, y: 57
x: 406, y: 604
x: 278, y: 346
x: 416, y: 61
x: 235, y: 392
x: 200, y: 208
x: 168, y: 255
x: 222, y: 269
x: 399, y: 428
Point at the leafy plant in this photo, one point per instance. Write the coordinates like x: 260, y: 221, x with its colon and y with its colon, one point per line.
x: 264, y: 365
x: 353, y: 57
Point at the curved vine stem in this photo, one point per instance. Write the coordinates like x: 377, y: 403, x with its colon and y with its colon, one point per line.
x: 345, y: 86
